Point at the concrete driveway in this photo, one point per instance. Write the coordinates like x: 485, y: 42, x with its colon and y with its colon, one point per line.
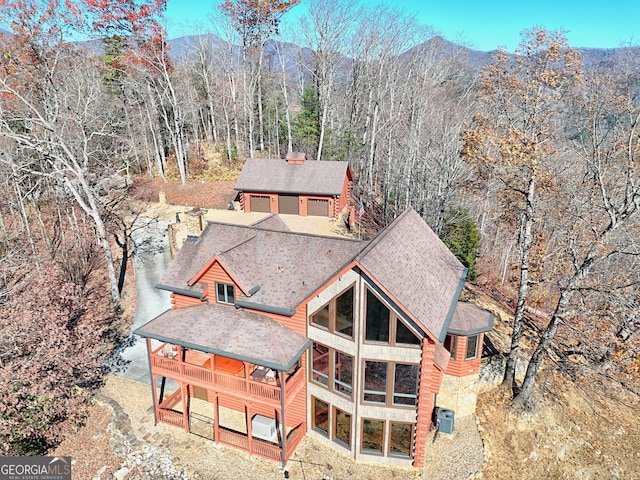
x: 150, y: 260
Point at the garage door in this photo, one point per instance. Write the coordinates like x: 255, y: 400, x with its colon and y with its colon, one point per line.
x: 318, y: 207
x: 259, y: 203
x: 288, y: 204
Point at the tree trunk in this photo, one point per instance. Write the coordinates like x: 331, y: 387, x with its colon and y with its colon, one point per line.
x: 90, y: 207
x: 524, y: 395
x: 322, y: 127
x: 523, y: 291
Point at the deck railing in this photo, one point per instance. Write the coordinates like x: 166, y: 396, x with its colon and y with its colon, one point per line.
x: 241, y: 441
x: 205, y: 377
x: 293, y: 382
x: 203, y: 374
x: 271, y: 452
x: 293, y: 439
x: 165, y: 412
x: 172, y: 400
x: 168, y: 364
x: 172, y: 418
x: 237, y: 440
x: 263, y: 390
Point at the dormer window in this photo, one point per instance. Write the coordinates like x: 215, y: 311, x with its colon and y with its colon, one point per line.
x: 225, y: 294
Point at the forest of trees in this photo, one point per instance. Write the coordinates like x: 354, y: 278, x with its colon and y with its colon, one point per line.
x: 529, y: 169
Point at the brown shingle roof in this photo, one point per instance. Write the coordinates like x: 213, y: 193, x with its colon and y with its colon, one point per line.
x: 469, y: 319
x: 278, y: 176
x: 197, y: 252
x: 407, y: 260
x: 287, y: 266
x: 411, y: 263
x: 231, y: 332
x: 272, y: 222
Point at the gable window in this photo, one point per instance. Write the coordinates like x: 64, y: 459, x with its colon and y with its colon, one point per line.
x: 472, y: 347
x: 225, y: 293
x: 337, y: 315
x: 332, y: 369
x: 344, y: 313
x: 404, y: 335
x: 391, y: 384
x: 377, y: 327
x: 321, y: 317
x: 383, y: 325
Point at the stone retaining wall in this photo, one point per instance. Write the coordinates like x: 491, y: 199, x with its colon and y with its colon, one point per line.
x: 142, y: 460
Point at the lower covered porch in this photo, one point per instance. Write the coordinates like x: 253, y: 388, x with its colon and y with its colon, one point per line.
x: 249, y: 394
x: 256, y: 429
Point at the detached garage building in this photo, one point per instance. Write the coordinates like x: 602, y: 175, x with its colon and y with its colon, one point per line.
x: 294, y: 186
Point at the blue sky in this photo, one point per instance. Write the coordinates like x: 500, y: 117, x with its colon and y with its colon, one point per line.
x: 484, y: 25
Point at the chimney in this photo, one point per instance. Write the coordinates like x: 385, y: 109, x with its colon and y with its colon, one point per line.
x: 296, y: 158
x: 195, y: 222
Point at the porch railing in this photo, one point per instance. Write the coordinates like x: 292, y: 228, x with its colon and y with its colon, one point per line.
x: 241, y: 441
x: 203, y: 374
x: 237, y: 440
x: 271, y: 452
x: 165, y: 412
x: 168, y: 364
x: 172, y: 418
x: 293, y: 439
x: 217, y: 380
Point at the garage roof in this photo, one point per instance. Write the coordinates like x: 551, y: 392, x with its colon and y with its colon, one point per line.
x: 324, y: 178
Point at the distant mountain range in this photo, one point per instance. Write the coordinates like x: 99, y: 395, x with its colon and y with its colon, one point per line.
x: 592, y: 57
x: 476, y: 59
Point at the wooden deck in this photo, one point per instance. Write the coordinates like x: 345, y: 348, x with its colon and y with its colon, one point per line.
x: 224, y: 375
x: 205, y: 379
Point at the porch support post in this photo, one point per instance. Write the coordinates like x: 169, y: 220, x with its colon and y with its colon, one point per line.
x: 185, y: 407
x: 246, y: 378
x: 162, y: 384
x: 216, y: 416
x: 153, y: 383
x: 212, y: 362
x: 247, y: 412
x: 283, y: 431
x: 181, y: 355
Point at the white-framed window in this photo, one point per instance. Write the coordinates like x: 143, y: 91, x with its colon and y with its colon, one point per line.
x: 225, y: 293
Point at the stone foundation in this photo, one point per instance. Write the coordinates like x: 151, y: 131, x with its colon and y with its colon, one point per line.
x: 459, y: 394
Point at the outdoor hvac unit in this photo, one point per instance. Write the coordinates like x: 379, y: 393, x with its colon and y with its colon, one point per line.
x: 263, y: 427
x: 445, y: 420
